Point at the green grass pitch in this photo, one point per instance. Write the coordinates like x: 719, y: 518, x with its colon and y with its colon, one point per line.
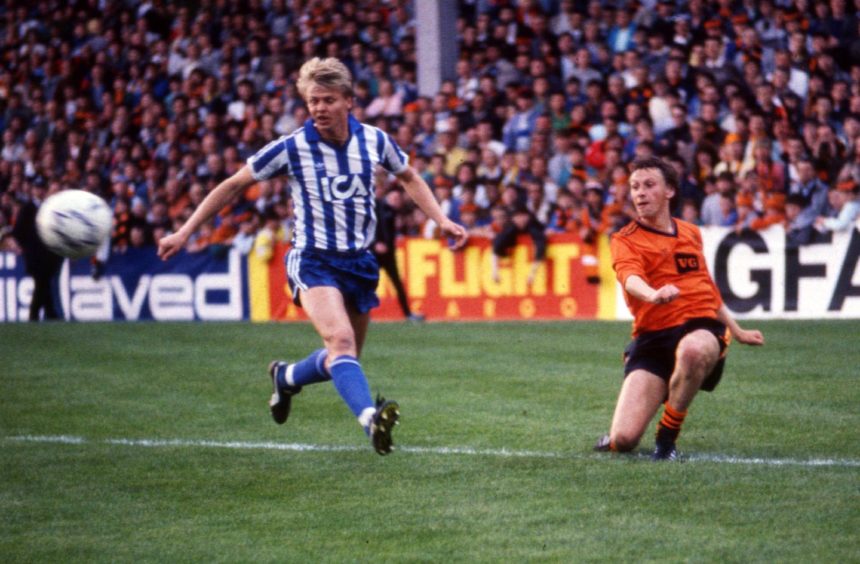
x: 153, y: 443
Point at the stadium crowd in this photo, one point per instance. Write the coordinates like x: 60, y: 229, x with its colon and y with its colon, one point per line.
x: 152, y: 103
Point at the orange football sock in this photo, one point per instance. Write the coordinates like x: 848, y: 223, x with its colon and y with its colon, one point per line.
x: 672, y: 418
x: 670, y: 424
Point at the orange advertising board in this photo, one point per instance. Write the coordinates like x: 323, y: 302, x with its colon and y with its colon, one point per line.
x: 447, y: 285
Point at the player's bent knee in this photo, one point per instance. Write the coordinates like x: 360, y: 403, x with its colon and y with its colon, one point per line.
x: 691, y: 355
x: 340, y: 342
x: 698, y: 351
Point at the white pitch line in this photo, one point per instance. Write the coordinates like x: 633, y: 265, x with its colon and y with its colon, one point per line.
x: 464, y: 451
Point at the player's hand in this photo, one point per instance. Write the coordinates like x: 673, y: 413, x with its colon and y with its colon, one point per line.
x: 171, y: 244
x: 665, y: 294
x: 750, y: 337
x: 457, y: 232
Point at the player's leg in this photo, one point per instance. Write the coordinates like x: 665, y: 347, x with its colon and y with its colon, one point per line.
x: 639, y: 399
x: 360, y: 322
x: 696, y: 356
x: 288, y: 379
x: 333, y: 325
x: 387, y: 412
x: 328, y: 313
x: 312, y: 369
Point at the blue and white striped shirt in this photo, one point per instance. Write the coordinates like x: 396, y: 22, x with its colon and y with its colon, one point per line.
x: 331, y: 187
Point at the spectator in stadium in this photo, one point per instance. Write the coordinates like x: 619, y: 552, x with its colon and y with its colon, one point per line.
x: 669, y: 141
x: 774, y: 213
x: 137, y: 237
x: 521, y: 222
x: 744, y: 211
x: 828, y: 152
x: 387, y: 103
x: 714, y: 207
x: 690, y: 212
x: 201, y: 238
x: 331, y: 271
x: 243, y: 242
x: 121, y: 225
x: 731, y: 155
x: 450, y: 206
x: 269, y: 235
x: 851, y: 169
x: 620, y: 36
x: 565, y: 215
x: 489, y: 173
x: 572, y: 166
x: 536, y: 199
x: 680, y: 324
x: 453, y: 155
x: 704, y: 161
x: 811, y: 194
x: 518, y: 129
x: 498, y: 219
x: 771, y: 173
x: 844, y: 208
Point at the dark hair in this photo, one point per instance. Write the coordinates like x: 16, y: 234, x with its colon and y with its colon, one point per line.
x: 670, y: 175
x: 796, y: 199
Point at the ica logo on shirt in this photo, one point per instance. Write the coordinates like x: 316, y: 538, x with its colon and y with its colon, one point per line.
x: 343, y: 187
x: 686, y: 263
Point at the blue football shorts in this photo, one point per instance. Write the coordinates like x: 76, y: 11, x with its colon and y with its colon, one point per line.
x: 654, y: 351
x: 356, y: 275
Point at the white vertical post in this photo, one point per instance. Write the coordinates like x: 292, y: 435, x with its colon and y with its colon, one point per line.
x: 436, y: 43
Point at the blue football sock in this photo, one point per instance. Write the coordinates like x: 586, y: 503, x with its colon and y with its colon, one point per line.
x: 351, y: 384
x: 310, y: 370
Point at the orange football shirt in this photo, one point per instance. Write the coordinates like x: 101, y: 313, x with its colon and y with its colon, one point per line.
x: 665, y: 258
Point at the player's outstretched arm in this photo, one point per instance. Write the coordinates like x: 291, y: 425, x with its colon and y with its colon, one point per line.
x: 423, y: 197
x: 219, y: 197
x: 746, y: 336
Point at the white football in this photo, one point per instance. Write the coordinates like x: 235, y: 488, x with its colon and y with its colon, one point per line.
x: 74, y: 223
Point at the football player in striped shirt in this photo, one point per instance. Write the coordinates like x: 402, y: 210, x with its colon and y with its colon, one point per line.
x: 681, y: 327
x: 329, y: 164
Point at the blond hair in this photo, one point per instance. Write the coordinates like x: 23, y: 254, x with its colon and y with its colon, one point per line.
x: 328, y: 73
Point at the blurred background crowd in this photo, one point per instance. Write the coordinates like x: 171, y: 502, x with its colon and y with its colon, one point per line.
x: 152, y: 103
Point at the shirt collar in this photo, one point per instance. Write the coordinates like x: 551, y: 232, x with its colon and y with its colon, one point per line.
x: 313, y: 135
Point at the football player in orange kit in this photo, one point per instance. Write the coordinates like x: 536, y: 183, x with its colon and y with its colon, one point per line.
x: 681, y: 327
